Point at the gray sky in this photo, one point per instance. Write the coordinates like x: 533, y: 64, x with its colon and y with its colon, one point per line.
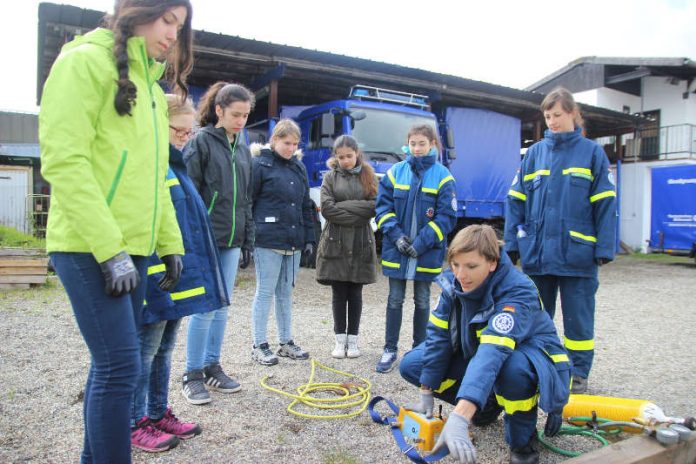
x: 511, y: 43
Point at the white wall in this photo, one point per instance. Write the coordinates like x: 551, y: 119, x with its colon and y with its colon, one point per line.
x: 636, y: 203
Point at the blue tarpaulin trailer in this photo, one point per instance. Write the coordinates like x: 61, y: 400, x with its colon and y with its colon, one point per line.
x: 673, y: 214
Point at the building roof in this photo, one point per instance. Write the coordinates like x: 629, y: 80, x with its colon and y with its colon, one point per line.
x: 621, y: 73
x: 309, y: 76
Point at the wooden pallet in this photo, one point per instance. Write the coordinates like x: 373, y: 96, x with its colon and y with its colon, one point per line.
x: 22, y: 267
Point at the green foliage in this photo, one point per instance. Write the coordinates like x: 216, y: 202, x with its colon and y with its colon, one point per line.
x: 338, y: 457
x: 10, y: 237
x: 657, y: 257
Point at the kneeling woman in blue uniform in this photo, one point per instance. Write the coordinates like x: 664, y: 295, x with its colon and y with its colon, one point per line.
x: 489, y: 347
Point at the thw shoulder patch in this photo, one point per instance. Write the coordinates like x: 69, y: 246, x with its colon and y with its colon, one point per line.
x: 503, y: 323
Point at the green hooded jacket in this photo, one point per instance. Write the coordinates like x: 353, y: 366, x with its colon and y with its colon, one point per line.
x: 106, y: 171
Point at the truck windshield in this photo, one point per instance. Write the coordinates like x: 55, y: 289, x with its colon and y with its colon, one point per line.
x: 382, y: 133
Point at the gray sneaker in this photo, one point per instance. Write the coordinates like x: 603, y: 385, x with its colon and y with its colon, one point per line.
x: 193, y: 387
x: 579, y: 385
x: 262, y: 354
x: 216, y: 379
x: 292, y: 351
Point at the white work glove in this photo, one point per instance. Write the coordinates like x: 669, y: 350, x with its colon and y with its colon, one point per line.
x: 424, y: 406
x: 455, y: 435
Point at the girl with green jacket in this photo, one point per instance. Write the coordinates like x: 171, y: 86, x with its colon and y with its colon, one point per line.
x: 103, y: 132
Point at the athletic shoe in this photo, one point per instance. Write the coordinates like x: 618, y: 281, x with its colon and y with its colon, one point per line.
x: 387, y: 363
x: 353, y: 351
x: 339, y: 350
x: 292, y: 351
x: 169, y: 423
x: 193, y: 387
x: 148, y: 438
x: 216, y: 379
x: 262, y: 354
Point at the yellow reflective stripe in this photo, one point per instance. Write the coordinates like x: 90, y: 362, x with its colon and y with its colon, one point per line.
x: 397, y: 186
x: 188, y: 293
x: 513, y: 406
x: 437, y: 230
x: 384, y: 218
x: 390, y: 264
x: 391, y: 177
x: 605, y: 194
x: 478, y: 333
x: 156, y: 268
x: 578, y: 345
x: 444, y: 181
x: 583, y: 171
x: 431, y: 270
x: 437, y: 322
x: 589, y: 238
x: 171, y: 182
x: 495, y: 340
x: 557, y: 358
x: 445, y: 385
x: 516, y: 194
x: 540, y: 172
x: 429, y: 190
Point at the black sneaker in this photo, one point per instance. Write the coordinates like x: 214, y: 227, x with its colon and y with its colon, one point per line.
x: 216, y: 379
x: 193, y: 387
x: 528, y: 454
x: 488, y: 414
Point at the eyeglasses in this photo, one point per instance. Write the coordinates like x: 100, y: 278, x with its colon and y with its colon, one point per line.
x: 182, y: 133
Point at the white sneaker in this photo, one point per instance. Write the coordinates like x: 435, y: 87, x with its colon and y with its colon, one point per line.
x: 353, y: 351
x: 339, y: 350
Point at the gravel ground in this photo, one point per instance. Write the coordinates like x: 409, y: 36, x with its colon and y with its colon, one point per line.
x: 645, y: 315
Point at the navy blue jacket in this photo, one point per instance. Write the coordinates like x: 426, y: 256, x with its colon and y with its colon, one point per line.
x: 201, y: 288
x: 501, y: 315
x: 416, y: 198
x: 561, y: 209
x: 282, y: 209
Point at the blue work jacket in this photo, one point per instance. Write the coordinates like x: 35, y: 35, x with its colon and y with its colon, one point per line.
x: 503, y: 314
x: 561, y: 209
x: 416, y: 198
x: 201, y: 288
x: 282, y: 208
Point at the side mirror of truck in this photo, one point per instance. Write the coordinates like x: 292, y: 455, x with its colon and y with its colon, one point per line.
x: 328, y: 125
x: 357, y: 115
x: 452, y: 154
x: 449, y: 135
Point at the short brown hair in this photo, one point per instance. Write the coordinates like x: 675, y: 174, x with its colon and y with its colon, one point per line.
x: 562, y: 95
x: 477, y: 237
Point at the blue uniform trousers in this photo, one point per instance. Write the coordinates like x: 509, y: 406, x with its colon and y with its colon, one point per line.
x: 578, y: 307
x: 515, y: 389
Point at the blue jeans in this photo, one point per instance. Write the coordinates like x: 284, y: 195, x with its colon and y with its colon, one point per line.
x: 395, y: 305
x: 156, y: 345
x: 275, y: 275
x: 109, y: 328
x: 206, y: 331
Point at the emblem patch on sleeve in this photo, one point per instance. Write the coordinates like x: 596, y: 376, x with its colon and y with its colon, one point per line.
x: 454, y: 202
x: 503, y: 323
x: 430, y: 212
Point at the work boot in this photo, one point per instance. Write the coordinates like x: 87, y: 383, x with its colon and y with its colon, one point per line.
x: 579, y: 385
x: 489, y: 413
x: 528, y: 454
x: 216, y: 379
x: 353, y: 351
x: 339, y: 350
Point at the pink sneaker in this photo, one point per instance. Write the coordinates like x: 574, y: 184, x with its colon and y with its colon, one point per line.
x: 148, y: 438
x: 169, y: 423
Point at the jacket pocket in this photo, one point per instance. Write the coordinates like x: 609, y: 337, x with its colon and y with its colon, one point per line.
x: 581, y: 245
x: 528, y: 246
x: 330, y: 242
x: 117, y: 177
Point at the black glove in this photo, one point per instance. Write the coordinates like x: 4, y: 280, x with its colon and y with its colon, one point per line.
x: 307, y: 259
x: 171, y: 277
x: 602, y: 261
x: 120, y: 274
x: 553, y: 424
x: 246, y: 258
x: 403, y: 244
x: 514, y: 256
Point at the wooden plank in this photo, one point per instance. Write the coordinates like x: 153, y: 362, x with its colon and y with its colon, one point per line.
x: 22, y: 279
x: 23, y: 262
x: 14, y: 286
x: 641, y: 450
x: 39, y: 253
x: 38, y: 270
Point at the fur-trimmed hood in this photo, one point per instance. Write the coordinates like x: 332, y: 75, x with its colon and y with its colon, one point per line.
x: 256, y: 148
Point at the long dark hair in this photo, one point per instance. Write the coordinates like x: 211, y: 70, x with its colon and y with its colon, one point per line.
x: 131, y: 13
x: 426, y: 131
x: 224, y: 94
x: 367, y: 173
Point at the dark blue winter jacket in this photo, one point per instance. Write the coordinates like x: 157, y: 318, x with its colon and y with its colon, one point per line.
x: 282, y: 209
x: 201, y: 288
x: 561, y: 209
x: 416, y: 198
x: 503, y: 314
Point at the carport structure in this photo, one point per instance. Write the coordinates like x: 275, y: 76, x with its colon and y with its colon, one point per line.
x: 285, y: 75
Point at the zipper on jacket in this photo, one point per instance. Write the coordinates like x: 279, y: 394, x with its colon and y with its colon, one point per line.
x: 117, y: 178
x: 212, y: 202
x: 154, y: 123
x: 234, y: 188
